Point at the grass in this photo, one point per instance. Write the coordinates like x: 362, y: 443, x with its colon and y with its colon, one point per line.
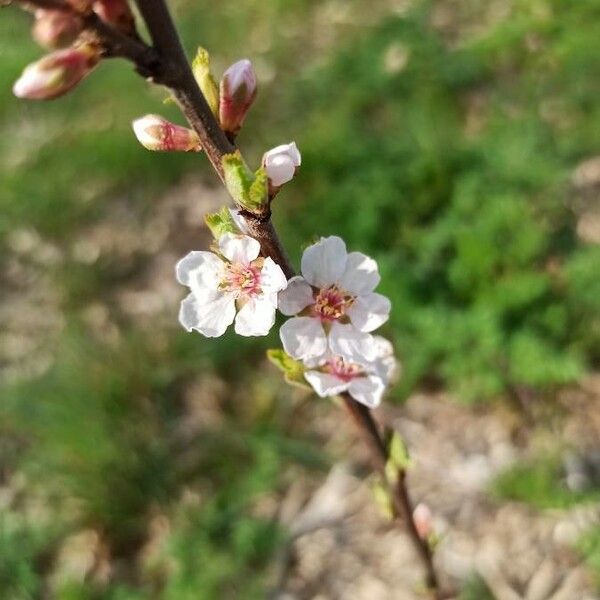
x: 449, y: 163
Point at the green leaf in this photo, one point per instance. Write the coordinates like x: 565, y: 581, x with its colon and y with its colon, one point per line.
x: 221, y: 223
x: 259, y: 190
x: 238, y: 179
x: 398, y: 453
x: 293, y: 370
x: 383, y: 500
x: 206, y: 82
x: 391, y: 472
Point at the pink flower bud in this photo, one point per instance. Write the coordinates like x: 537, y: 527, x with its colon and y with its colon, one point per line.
x: 117, y: 13
x: 155, y: 133
x: 81, y: 6
x: 56, y: 73
x: 423, y: 520
x: 238, y: 90
x: 55, y: 28
x: 281, y: 163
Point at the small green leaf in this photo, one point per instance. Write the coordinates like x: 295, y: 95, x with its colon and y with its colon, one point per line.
x: 383, y: 500
x: 259, y: 190
x: 293, y: 370
x: 391, y: 472
x: 238, y: 179
x: 221, y: 223
x: 206, y: 82
x: 398, y: 452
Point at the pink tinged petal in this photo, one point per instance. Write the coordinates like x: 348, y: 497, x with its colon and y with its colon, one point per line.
x: 255, y: 318
x: 237, y: 93
x: 239, y: 248
x: 303, y: 338
x: 272, y: 278
x: 369, y: 312
x: 351, y: 344
x: 211, y: 318
x: 296, y: 296
x: 56, y: 73
x: 361, y: 275
x: 367, y: 390
x: 324, y: 263
x: 155, y: 133
x: 325, y: 384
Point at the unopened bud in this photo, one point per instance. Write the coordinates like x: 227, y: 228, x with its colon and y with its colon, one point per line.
x: 281, y: 163
x: 238, y: 90
x: 423, y: 520
x: 82, y: 6
x: 155, y: 133
x: 54, y: 29
x: 117, y: 13
x: 56, y: 73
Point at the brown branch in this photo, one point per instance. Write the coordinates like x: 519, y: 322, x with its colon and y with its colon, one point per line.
x: 166, y: 63
x: 182, y: 83
x: 402, y: 504
x: 216, y: 145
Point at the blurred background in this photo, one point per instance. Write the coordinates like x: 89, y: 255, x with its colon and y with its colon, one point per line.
x: 455, y: 141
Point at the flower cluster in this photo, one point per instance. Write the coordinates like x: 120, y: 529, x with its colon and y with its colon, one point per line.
x: 333, y: 308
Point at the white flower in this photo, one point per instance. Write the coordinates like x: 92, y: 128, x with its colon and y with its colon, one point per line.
x: 335, y: 304
x: 221, y: 285
x: 281, y: 163
x: 364, y: 381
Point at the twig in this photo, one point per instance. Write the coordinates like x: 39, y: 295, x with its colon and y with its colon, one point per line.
x: 369, y: 430
x: 165, y: 63
x: 216, y: 145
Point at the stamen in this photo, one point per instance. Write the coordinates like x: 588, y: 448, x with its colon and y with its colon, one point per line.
x: 332, y: 303
x: 241, y: 280
x: 343, y: 370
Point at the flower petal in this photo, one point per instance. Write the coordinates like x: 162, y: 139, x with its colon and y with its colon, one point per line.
x: 361, y: 275
x: 256, y: 317
x: 272, y: 278
x: 367, y: 390
x: 324, y: 263
x: 207, y: 262
x: 239, y: 248
x: 303, y: 338
x: 351, y: 344
x: 296, y: 296
x: 325, y: 384
x: 385, y: 364
x: 369, y: 312
x: 280, y: 169
x: 239, y: 221
x: 211, y: 318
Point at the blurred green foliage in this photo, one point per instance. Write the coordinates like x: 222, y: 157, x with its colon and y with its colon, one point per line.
x: 445, y: 154
x: 541, y: 483
x: 444, y: 164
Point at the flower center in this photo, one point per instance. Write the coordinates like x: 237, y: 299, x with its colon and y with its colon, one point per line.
x: 241, y: 280
x: 341, y: 369
x: 332, y: 303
